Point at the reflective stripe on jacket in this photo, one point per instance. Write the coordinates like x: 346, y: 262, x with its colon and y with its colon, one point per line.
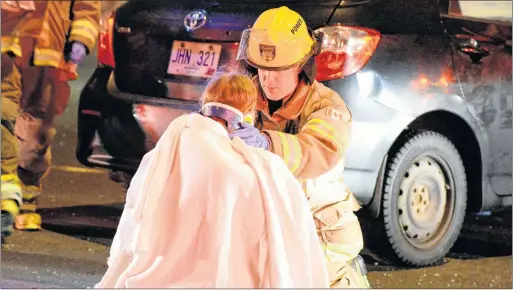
x: 310, y: 132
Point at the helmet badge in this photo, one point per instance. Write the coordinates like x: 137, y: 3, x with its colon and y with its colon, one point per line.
x: 268, y: 52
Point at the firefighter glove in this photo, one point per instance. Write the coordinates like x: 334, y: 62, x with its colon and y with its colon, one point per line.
x: 251, y: 136
x: 77, y: 52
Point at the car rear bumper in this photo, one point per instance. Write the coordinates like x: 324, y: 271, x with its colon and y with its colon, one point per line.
x: 116, y: 129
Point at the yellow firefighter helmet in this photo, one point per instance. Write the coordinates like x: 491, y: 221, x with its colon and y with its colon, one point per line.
x: 278, y: 40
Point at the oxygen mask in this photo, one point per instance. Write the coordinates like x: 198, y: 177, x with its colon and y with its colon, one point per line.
x: 232, y: 116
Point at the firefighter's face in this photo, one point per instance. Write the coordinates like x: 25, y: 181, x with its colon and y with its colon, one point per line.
x: 278, y: 85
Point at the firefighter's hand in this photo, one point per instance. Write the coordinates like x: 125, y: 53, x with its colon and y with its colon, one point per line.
x: 77, y: 52
x: 251, y: 136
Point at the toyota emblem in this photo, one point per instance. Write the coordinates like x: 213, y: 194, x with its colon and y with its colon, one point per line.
x: 194, y: 20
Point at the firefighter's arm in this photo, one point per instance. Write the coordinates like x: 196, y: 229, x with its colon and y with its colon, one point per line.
x: 319, y: 145
x: 86, y: 23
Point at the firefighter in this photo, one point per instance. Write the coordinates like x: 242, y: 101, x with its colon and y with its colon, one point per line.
x: 42, y: 43
x: 309, y: 126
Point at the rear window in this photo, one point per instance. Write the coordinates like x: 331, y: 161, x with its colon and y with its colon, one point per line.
x: 489, y: 10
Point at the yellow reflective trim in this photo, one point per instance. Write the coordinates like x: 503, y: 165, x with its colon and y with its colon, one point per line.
x: 84, y: 28
x: 291, y: 151
x: 10, y: 206
x: 86, y: 25
x: 10, y: 178
x: 325, y: 129
x: 44, y: 62
x: 88, y: 30
x: 49, y: 52
x: 9, y: 40
x: 317, y: 130
x: 15, y: 49
x: 327, y: 125
x: 47, y: 57
x: 8, y: 187
x: 296, y: 161
x: 11, y: 44
x: 285, y: 147
x: 80, y: 32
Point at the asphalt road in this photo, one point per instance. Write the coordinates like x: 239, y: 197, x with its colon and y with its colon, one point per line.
x: 80, y: 209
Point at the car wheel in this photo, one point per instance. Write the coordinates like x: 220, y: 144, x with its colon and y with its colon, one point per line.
x: 424, y: 198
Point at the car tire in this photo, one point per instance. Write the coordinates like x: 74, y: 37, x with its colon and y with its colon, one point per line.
x: 424, y: 198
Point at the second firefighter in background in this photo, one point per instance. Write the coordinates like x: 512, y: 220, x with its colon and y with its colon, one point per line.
x: 42, y: 43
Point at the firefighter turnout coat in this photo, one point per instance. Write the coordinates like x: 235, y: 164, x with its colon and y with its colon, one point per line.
x: 52, y: 24
x: 311, y: 132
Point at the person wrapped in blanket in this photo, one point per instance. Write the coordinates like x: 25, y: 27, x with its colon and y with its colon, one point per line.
x: 206, y: 211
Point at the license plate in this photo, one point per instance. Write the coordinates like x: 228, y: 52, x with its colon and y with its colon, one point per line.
x: 194, y: 59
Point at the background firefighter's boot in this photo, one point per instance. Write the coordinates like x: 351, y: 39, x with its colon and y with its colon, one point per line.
x: 10, y: 187
x: 28, y: 219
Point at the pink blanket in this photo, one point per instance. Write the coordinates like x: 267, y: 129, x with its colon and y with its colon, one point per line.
x: 204, y: 211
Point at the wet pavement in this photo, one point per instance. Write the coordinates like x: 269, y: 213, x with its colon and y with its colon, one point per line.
x: 81, y: 207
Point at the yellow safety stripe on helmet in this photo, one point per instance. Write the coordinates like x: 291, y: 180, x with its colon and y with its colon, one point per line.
x: 11, y: 44
x: 83, y: 28
x: 47, y: 57
x: 291, y: 151
x: 324, y: 129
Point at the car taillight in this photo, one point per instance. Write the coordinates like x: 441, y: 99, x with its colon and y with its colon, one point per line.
x: 345, y: 50
x: 105, y: 46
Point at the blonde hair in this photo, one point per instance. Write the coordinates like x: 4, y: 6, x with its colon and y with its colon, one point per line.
x: 233, y: 89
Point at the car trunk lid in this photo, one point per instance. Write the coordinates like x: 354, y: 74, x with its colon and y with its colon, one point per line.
x: 169, y: 49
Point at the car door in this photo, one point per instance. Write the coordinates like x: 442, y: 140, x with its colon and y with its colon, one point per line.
x: 480, y: 32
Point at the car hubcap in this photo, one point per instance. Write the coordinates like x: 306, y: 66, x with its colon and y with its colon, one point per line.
x: 424, y: 202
